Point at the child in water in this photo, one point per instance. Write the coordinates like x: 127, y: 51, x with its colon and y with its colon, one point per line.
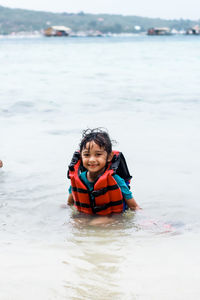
x: 96, y: 188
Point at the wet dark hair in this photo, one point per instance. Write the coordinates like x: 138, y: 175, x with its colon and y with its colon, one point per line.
x: 99, y: 136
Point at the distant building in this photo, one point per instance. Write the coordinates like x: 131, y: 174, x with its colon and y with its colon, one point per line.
x: 194, y: 30
x: 57, y: 31
x: 159, y: 31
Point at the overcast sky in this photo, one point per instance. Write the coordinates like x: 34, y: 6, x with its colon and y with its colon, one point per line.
x: 170, y: 9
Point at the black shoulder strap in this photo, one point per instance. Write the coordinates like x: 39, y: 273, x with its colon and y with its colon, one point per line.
x: 120, y: 167
x: 75, y: 158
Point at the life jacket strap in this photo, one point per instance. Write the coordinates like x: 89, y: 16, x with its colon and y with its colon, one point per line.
x: 103, y: 191
x: 97, y: 209
x: 75, y: 189
x: 77, y: 203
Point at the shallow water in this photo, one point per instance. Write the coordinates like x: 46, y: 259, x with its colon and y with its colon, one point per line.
x: 145, y: 91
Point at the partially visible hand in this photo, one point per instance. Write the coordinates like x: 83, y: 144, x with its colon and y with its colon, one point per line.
x: 1, y: 164
x: 138, y: 207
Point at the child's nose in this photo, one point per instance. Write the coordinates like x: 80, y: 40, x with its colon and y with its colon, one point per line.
x: 92, y: 158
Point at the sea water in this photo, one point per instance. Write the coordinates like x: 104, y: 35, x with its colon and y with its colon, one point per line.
x: 145, y: 91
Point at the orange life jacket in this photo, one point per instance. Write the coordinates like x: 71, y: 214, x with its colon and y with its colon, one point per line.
x: 106, y: 197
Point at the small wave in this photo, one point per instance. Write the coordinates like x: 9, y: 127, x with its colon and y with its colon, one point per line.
x: 22, y: 107
x: 63, y: 132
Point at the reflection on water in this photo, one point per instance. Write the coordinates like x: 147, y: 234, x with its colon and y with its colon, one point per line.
x: 125, y: 258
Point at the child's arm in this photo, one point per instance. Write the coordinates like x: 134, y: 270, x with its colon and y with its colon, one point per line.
x: 70, y: 200
x: 132, y: 204
x: 130, y: 201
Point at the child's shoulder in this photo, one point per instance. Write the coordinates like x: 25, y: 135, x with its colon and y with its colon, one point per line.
x: 118, y: 178
x: 121, y: 182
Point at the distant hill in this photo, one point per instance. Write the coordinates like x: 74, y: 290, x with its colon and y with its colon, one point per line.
x: 17, y: 20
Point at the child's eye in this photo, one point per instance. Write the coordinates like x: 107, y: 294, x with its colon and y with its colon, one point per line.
x: 98, y: 154
x: 86, y: 154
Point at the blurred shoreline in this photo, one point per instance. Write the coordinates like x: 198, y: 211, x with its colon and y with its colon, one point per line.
x: 79, y: 35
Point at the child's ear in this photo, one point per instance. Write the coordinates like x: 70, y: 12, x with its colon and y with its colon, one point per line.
x: 110, y: 156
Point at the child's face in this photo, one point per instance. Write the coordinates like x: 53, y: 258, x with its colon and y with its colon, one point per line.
x: 94, y: 158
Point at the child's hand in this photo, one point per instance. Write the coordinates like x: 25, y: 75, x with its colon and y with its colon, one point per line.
x: 132, y: 204
x: 138, y: 207
x: 70, y: 200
